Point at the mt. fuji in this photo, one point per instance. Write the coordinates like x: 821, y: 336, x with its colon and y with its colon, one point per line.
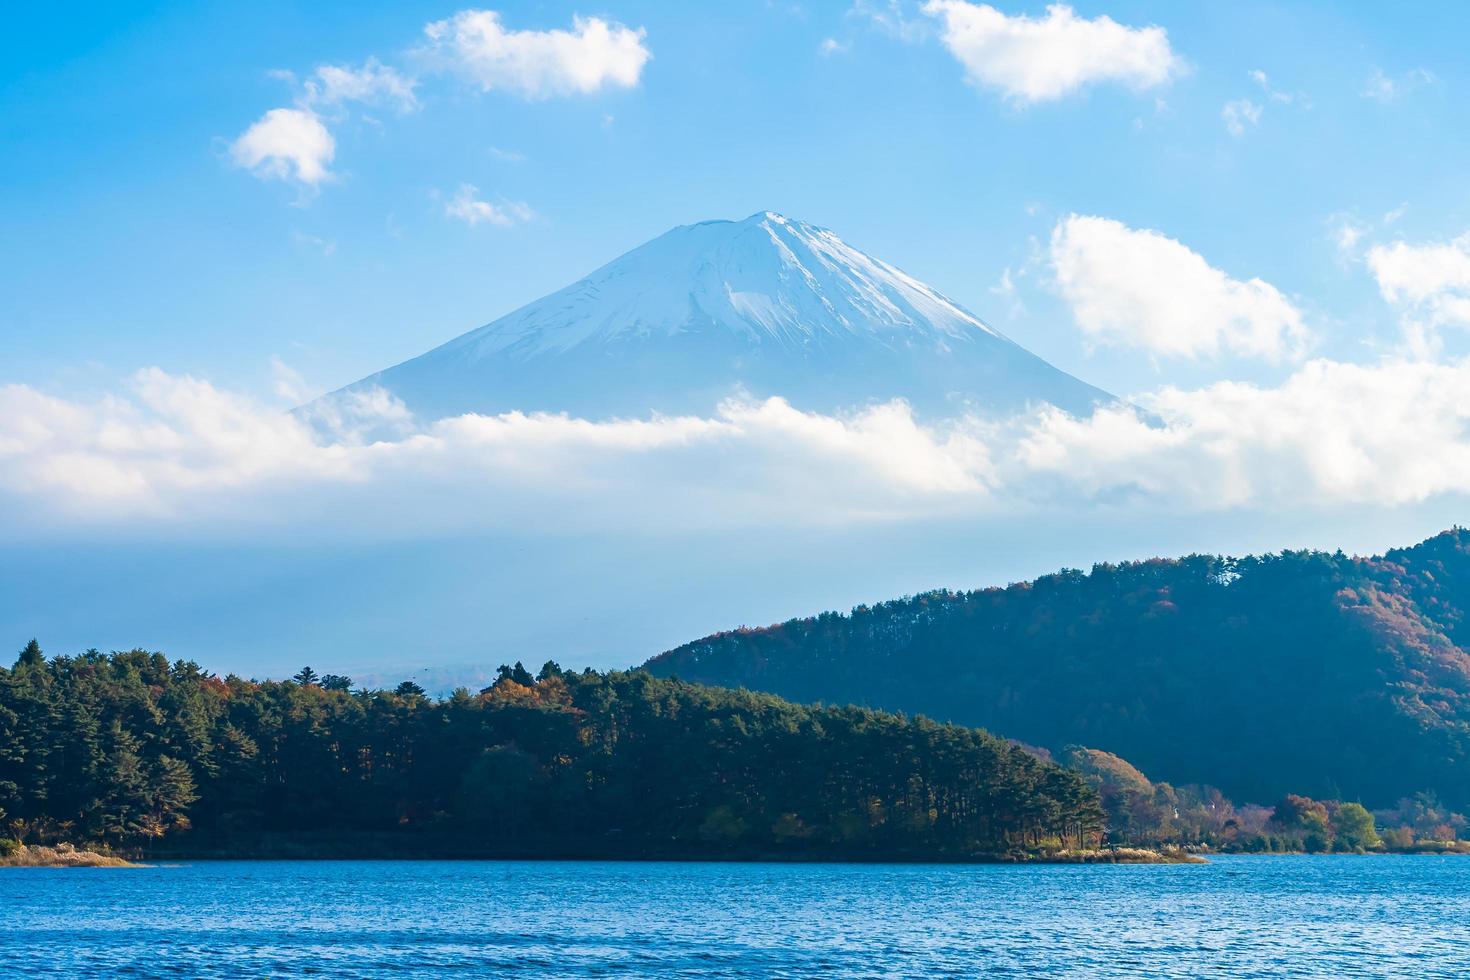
x: 765, y: 306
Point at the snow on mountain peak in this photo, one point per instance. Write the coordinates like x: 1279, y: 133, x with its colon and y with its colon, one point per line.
x: 768, y: 305
x: 767, y: 279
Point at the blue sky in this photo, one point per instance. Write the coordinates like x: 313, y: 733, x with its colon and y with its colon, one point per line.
x: 132, y: 240
x: 1318, y: 148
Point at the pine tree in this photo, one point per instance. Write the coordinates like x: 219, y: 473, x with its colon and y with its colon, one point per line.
x: 31, y: 656
x: 125, y: 804
x: 170, y: 791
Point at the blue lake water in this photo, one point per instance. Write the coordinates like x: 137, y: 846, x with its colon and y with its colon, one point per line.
x: 1236, y: 917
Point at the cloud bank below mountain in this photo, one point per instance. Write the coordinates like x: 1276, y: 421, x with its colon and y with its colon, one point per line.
x: 172, y: 451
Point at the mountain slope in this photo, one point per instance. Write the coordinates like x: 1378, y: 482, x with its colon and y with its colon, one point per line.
x: 1302, y: 672
x: 768, y: 306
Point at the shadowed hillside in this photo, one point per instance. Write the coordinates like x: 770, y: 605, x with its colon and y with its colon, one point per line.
x: 1299, y: 672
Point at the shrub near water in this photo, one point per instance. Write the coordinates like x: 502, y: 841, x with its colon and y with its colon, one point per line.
x: 1157, y: 815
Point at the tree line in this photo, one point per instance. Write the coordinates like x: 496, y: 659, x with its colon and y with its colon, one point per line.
x: 130, y: 749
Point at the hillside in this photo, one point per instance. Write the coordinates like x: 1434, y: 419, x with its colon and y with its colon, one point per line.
x: 129, y: 749
x: 1302, y: 672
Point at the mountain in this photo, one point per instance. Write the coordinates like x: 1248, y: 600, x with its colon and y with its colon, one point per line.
x: 767, y: 306
x: 1303, y: 672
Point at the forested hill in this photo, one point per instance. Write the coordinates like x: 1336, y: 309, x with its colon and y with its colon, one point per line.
x: 129, y: 748
x: 1299, y: 672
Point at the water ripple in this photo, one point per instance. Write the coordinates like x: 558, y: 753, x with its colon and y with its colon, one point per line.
x: 1239, y: 917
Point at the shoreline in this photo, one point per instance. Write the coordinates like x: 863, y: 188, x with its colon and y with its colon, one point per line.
x: 270, y: 848
x: 62, y: 856
x: 1104, y: 856
x: 378, y: 850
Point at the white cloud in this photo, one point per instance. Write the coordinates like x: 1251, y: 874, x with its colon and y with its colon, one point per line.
x: 1430, y: 282
x: 1140, y: 288
x: 177, y: 450
x: 168, y: 435
x: 373, y: 83
x: 287, y: 144
x: 467, y: 207
x: 593, y: 55
x: 1238, y: 113
x: 1037, y: 59
x: 1333, y: 434
x: 295, y: 143
x: 1426, y: 273
x: 831, y: 46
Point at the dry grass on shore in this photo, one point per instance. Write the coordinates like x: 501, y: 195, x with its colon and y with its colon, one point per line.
x: 1122, y: 855
x: 60, y: 856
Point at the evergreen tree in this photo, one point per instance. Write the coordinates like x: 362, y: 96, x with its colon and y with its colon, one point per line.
x: 31, y: 656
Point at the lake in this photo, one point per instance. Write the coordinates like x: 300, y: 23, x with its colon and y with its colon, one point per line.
x: 1237, y: 916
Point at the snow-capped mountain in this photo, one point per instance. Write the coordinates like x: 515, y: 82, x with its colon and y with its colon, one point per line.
x: 764, y: 306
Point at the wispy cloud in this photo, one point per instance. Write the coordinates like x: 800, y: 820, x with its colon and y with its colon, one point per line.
x: 373, y: 84
x: 466, y: 206
x: 288, y: 384
x: 1275, y: 94
x: 323, y: 245
x: 1347, y: 234
x: 896, y: 18
x: 1239, y: 114
x: 1385, y: 89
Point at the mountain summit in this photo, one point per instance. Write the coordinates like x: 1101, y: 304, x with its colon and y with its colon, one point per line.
x: 765, y: 306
